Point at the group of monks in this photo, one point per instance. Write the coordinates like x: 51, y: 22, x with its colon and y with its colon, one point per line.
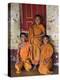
x: 36, y: 53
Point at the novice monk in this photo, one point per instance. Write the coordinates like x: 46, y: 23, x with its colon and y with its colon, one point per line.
x: 45, y: 57
x: 23, y: 55
x: 36, y: 31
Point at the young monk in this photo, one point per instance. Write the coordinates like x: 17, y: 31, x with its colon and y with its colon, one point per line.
x: 36, y: 31
x: 23, y: 55
x: 46, y: 56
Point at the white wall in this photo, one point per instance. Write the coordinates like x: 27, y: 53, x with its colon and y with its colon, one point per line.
x: 15, y: 25
x: 52, y: 24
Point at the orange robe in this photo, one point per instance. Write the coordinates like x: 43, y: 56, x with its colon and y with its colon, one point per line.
x: 24, y: 56
x: 24, y: 51
x: 35, y: 40
x: 45, y: 58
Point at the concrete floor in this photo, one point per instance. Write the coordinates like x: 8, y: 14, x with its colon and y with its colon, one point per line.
x: 31, y: 73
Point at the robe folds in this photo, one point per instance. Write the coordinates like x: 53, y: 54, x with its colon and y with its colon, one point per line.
x: 24, y: 58
x: 46, y: 58
x: 35, y: 39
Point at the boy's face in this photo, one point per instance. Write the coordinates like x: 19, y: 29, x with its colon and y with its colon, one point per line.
x: 22, y: 38
x: 37, y: 20
x: 45, y: 40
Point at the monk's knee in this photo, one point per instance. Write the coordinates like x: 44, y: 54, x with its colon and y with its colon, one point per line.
x: 27, y: 66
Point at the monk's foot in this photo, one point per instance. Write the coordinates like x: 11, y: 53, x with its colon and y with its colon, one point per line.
x: 18, y: 72
x: 50, y: 72
x: 43, y: 73
x: 28, y: 70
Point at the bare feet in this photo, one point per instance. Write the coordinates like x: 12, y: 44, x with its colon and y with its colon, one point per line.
x: 18, y: 72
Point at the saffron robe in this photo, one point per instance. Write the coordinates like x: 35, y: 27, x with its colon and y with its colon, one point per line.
x: 45, y: 58
x: 24, y: 51
x: 35, y: 39
x: 24, y: 55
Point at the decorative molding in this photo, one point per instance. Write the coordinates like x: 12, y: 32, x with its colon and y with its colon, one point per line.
x: 28, y: 17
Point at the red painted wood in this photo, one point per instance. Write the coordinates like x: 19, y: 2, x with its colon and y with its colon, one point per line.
x: 28, y: 13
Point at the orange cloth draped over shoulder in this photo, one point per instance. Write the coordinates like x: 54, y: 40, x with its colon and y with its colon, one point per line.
x: 35, y: 40
x: 24, y: 54
x: 45, y: 58
x: 24, y: 51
